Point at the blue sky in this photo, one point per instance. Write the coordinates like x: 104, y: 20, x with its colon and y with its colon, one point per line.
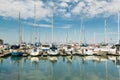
x: 67, y: 19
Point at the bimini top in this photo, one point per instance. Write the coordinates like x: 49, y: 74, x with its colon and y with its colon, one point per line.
x: 83, y: 44
x: 15, y: 47
x: 37, y: 44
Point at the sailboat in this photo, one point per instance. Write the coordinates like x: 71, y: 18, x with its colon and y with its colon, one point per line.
x: 45, y: 47
x: 69, y: 47
x: 104, y: 45
x: 117, y: 45
x: 114, y: 49
x: 36, y: 50
x: 83, y: 45
x: 15, y: 49
x: 53, y: 49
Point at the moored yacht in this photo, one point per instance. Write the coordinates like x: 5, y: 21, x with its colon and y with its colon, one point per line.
x: 68, y: 49
x: 45, y: 49
x: 36, y: 51
x: 16, y: 51
x: 53, y: 50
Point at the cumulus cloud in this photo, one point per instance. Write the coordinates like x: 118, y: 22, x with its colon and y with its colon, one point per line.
x: 11, y: 8
x: 76, y: 0
x: 66, y: 0
x: 63, y: 4
x: 67, y: 15
x: 50, y: 3
x: 63, y: 8
x: 78, y: 8
x: 93, y: 8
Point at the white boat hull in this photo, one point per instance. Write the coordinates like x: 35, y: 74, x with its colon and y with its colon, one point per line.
x: 53, y: 53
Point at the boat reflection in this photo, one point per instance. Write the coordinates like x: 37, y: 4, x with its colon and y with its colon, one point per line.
x: 15, y: 60
x: 1, y: 60
x: 118, y: 65
x: 52, y: 58
x: 69, y: 59
x: 34, y: 60
x: 63, y: 68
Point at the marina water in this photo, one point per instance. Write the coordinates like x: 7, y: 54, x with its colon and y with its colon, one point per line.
x: 62, y: 68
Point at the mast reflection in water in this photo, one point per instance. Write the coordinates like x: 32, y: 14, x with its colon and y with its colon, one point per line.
x: 60, y: 68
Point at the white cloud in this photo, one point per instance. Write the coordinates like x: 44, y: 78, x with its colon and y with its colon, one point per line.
x: 63, y: 8
x: 66, y: 0
x: 113, y: 7
x: 51, y: 4
x: 11, y: 8
x: 89, y: 0
x: 76, y: 0
x: 43, y: 25
x: 78, y: 8
x: 38, y: 25
x: 63, y: 4
x: 65, y: 27
x: 92, y: 8
x: 67, y: 15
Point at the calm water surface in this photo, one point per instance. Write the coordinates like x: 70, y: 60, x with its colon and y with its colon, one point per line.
x: 64, y: 68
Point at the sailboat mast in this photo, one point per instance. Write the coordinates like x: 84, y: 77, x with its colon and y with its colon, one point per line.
x: 46, y: 37
x: 94, y: 38
x: 35, y: 23
x: 105, y: 32
x: 19, y: 30
x: 74, y: 40
x: 52, y: 25
x: 39, y: 35
x: 68, y: 36
x: 82, y: 40
x: 81, y: 31
x: 118, y: 28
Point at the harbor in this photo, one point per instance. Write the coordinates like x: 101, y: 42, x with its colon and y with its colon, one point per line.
x: 59, y: 40
x: 57, y: 50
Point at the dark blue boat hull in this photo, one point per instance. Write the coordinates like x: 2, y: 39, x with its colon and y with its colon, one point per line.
x: 17, y: 54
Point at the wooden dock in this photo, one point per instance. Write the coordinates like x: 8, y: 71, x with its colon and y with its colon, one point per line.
x: 5, y: 54
x: 25, y: 55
